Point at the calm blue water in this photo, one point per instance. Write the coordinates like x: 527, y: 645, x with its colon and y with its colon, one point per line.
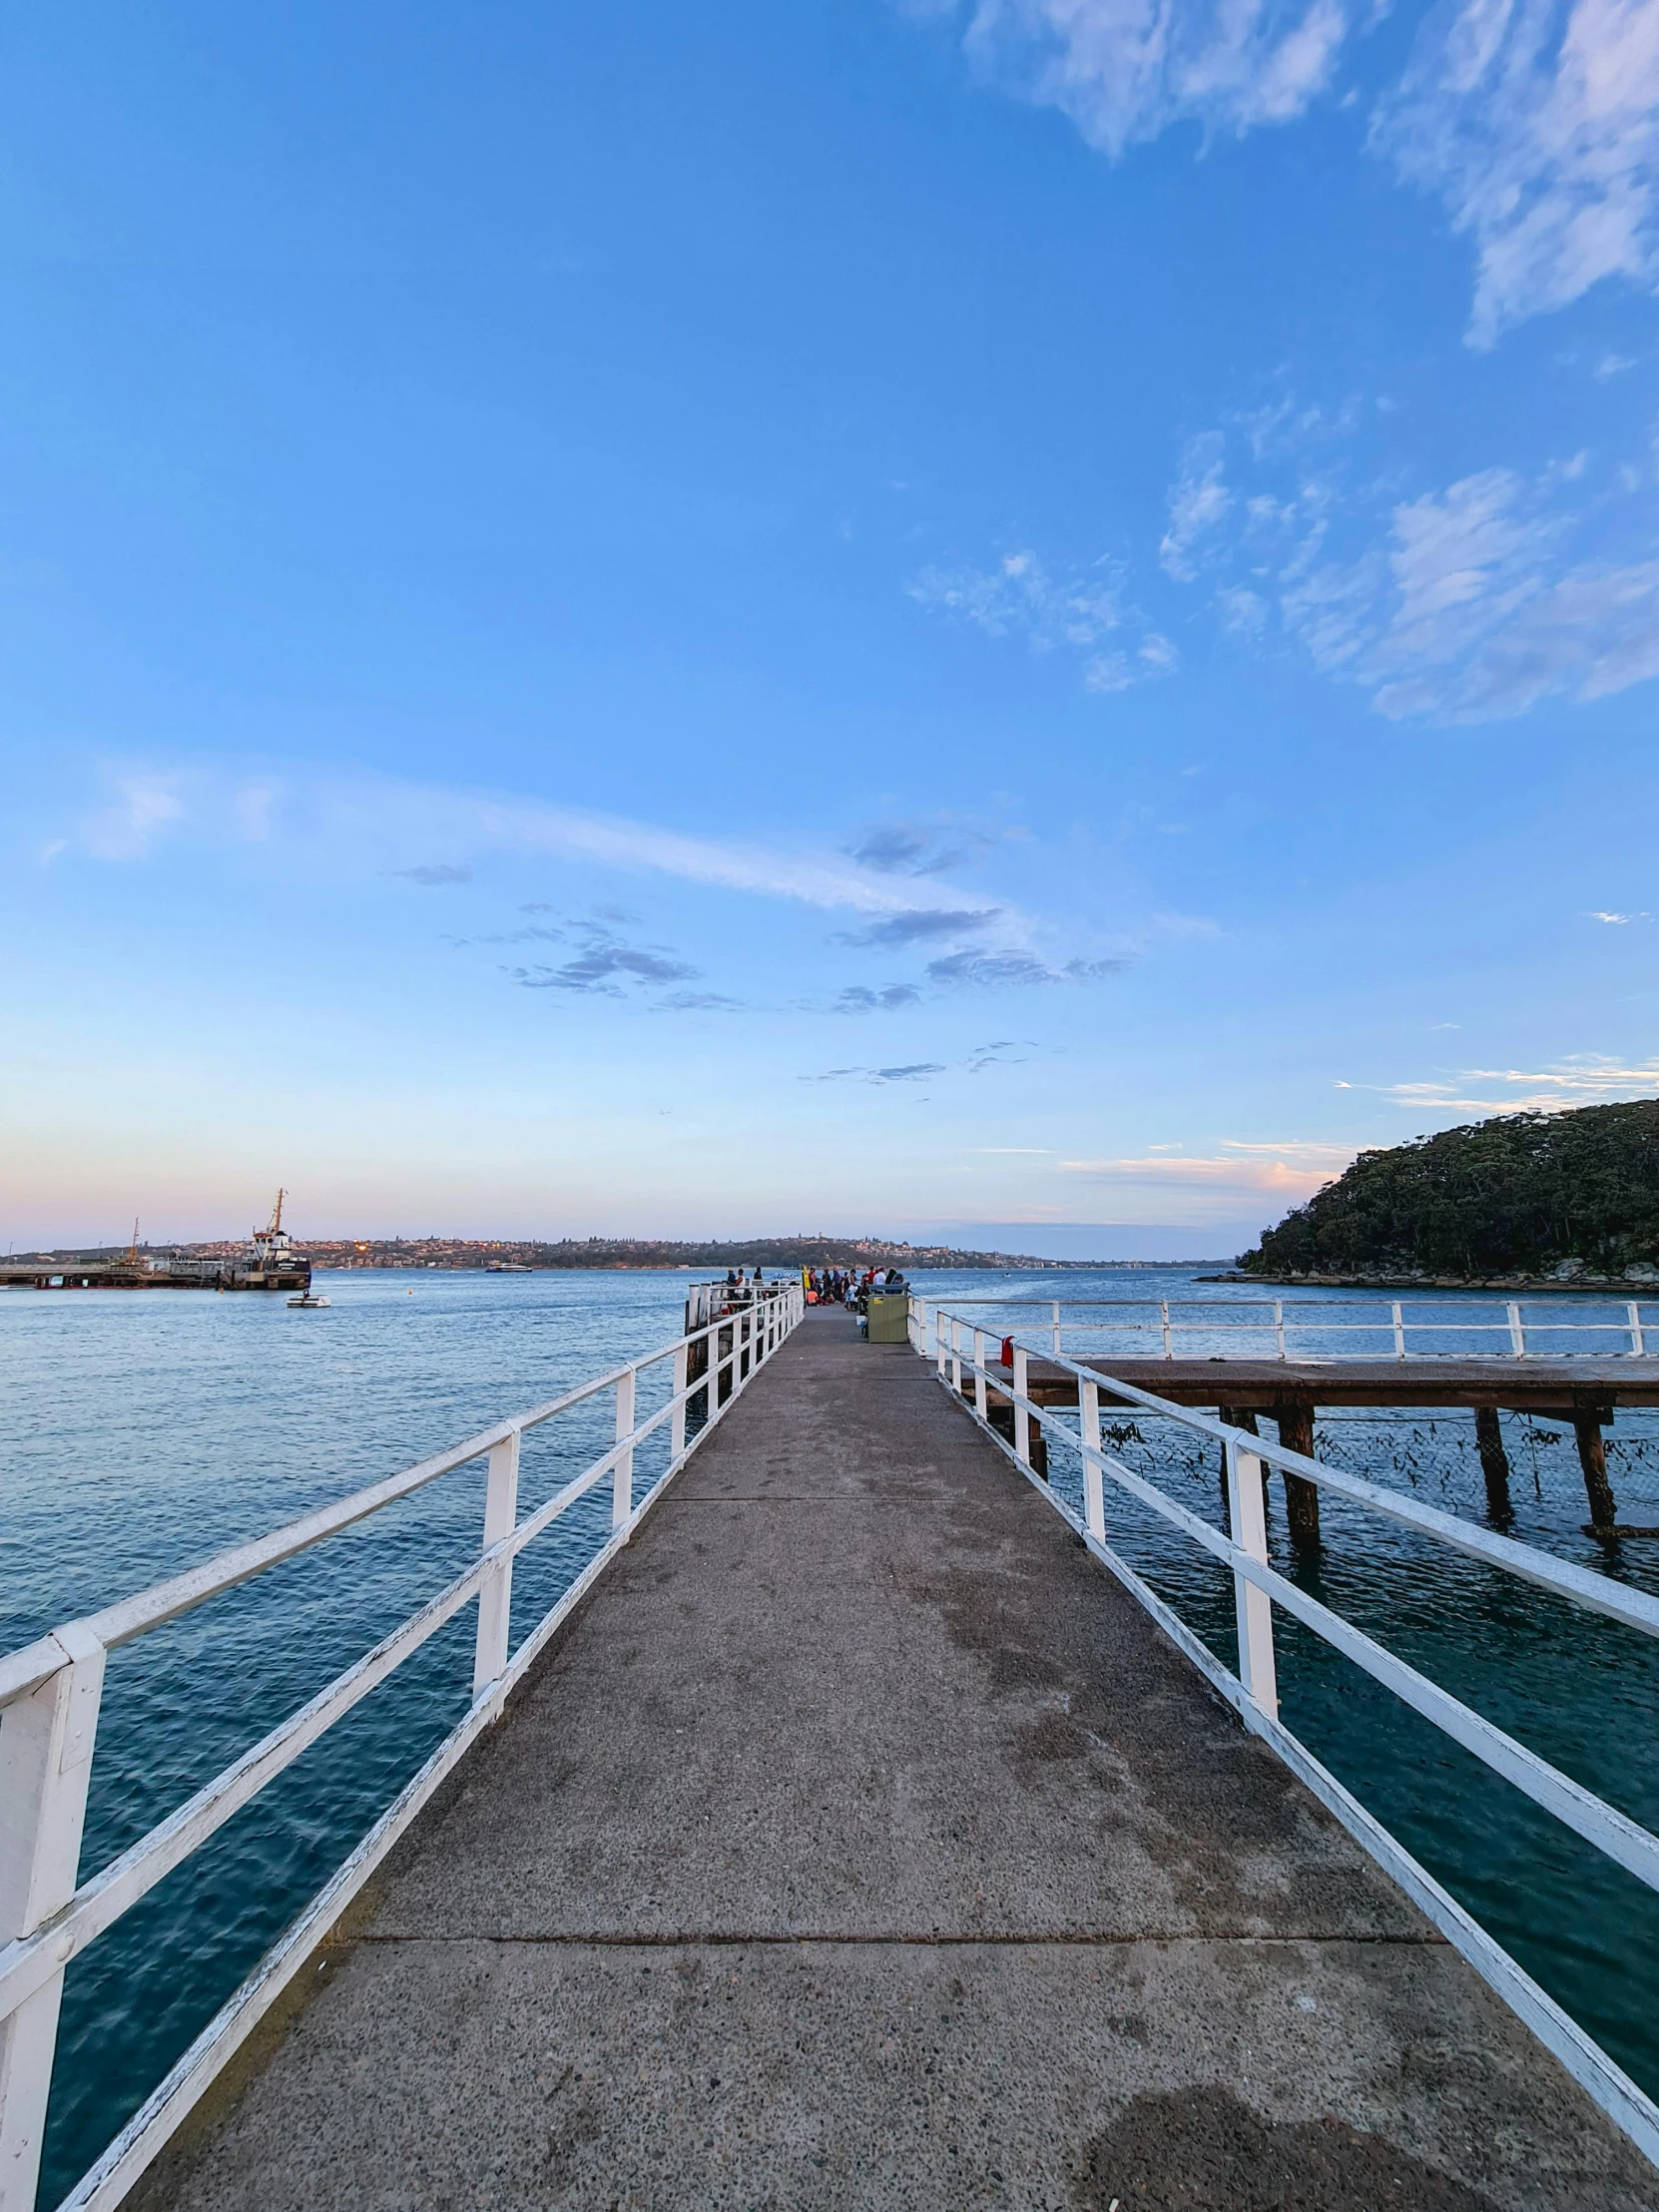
x: 146, y: 1432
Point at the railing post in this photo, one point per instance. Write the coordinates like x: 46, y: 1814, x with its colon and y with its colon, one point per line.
x: 1169, y: 1341
x: 1636, y: 1327
x: 1022, y: 1420
x: 1247, y: 1517
x: 938, y: 1340
x: 676, y: 1420
x: 1094, y: 1482
x: 1056, y: 1329
x: 957, y: 1356
x: 46, y: 1742
x: 1278, y: 1324
x: 622, y: 1483
x: 1400, y: 1332
x: 495, y: 1597
x: 1517, y: 1333
x: 980, y: 1401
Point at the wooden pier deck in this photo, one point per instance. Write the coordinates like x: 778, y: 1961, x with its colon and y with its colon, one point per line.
x: 1553, y: 1389
x: 1583, y: 1394
x: 860, y: 1843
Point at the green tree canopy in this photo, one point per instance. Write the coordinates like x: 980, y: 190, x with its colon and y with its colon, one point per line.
x: 1519, y: 1195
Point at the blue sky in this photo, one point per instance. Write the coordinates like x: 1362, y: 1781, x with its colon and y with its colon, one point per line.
x: 924, y: 618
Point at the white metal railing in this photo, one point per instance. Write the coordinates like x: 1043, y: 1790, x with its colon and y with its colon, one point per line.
x: 707, y: 1301
x: 48, y: 1701
x: 940, y: 1336
x: 1279, y: 1317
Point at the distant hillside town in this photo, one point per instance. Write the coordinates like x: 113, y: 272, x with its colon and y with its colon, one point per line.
x: 611, y: 1251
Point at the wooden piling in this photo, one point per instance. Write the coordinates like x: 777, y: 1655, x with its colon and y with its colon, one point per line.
x: 1495, y: 1464
x: 1592, y: 1457
x: 1295, y: 1417
x: 1000, y: 1415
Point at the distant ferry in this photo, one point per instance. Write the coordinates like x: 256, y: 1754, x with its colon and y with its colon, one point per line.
x: 508, y: 1267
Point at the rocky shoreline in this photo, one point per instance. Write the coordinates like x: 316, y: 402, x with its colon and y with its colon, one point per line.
x: 1642, y: 1286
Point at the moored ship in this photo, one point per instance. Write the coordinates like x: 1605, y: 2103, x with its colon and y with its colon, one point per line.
x: 267, y: 1261
x: 270, y: 1262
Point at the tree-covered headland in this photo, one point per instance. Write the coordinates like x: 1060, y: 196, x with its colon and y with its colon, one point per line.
x: 1558, y: 1195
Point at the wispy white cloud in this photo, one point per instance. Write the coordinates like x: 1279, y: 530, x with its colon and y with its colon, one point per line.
x: 1537, y: 123
x: 912, y: 1071
x: 1000, y: 1052
x: 1243, y: 611
x: 436, y: 834
x: 1124, y: 70
x: 918, y: 848
x: 605, y: 962
x: 1466, y: 603
x: 862, y: 998
x: 697, y: 1002
x: 1618, y: 919
x: 1081, y: 609
x: 1198, y: 501
x: 140, y: 808
x: 920, y: 926
x: 1291, y: 1170
x: 436, y: 876
x: 1015, y: 970
x: 1469, y: 615
x: 1581, y: 1079
x: 530, y: 826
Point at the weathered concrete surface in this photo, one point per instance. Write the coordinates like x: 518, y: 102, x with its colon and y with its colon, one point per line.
x: 863, y: 1845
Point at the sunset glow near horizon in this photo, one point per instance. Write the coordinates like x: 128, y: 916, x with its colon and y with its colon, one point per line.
x: 637, y: 620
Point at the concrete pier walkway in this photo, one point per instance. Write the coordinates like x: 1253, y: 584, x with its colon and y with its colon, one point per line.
x: 861, y: 1844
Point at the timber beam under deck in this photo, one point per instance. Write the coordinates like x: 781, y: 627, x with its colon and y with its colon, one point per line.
x: 1554, y: 1389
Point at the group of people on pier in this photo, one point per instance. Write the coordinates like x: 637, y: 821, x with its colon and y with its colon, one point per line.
x: 845, y: 1287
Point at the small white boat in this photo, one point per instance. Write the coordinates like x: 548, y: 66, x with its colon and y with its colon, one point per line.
x: 305, y: 1299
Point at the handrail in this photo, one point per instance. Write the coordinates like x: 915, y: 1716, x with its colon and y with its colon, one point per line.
x: 1233, y: 1315
x: 966, y: 1370
x: 50, y: 1693
x: 1307, y: 1305
x: 1596, y: 1593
